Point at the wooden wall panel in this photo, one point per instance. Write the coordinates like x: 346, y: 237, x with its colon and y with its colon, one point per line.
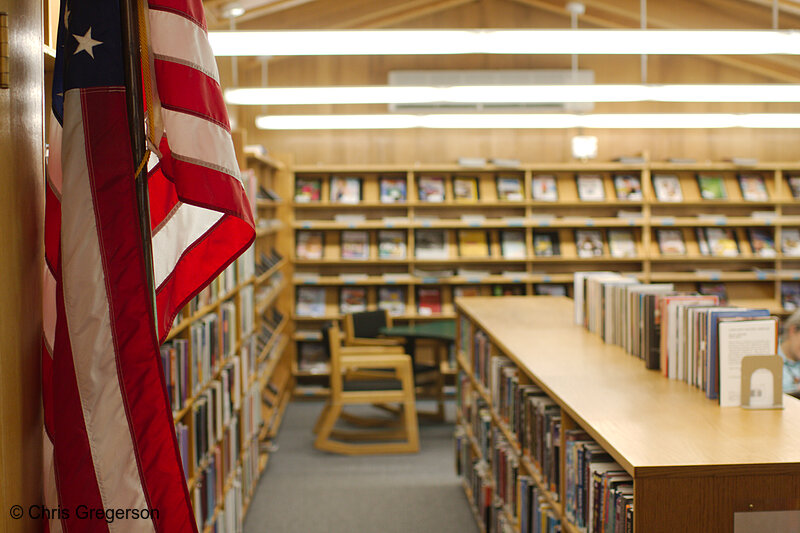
x: 21, y: 200
x: 434, y: 146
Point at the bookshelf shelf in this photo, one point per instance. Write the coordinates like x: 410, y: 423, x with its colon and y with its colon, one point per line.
x: 678, y: 447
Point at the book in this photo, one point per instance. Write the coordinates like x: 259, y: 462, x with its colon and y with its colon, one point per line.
x: 509, y: 188
x: 429, y: 300
x: 702, y: 242
x: 355, y: 245
x: 391, y: 244
x: 722, y: 242
x: 550, y: 289
x: 431, y: 244
x: 392, y: 299
x: 621, y: 243
x: 790, y: 241
x: 466, y: 290
x: 393, y: 190
x: 714, y: 289
x: 794, y: 186
x: 310, y: 245
x: 543, y: 188
x: 762, y: 242
x: 512, y: 244
x: 711, y: 187
x: 628, y: 187
x: 753, y: 187
x: 312, y: 357
x: 345, y: 190
x: 431, y: 188
x: 473, y: 243
x: 589, y: 242
x: 667, y: 188
x: 310, y: 301
x: 762, y: 339
x: 465, y: 189
x: 670, y: 241
x: 590, y: 187
x: 507, y: 290
x: 307, y: 190
x: 352, y: 299
x: 790, y: 296
x: 546, y: 243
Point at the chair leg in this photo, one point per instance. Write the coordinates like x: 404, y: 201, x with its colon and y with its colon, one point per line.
x: 321, y: 417
x: 410, y: 410
x: 323, y: 441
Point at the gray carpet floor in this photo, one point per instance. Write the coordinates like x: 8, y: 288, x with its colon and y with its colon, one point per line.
x: 304, y: 490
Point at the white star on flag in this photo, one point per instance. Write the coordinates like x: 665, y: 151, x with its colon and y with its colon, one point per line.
x: 86, y: 43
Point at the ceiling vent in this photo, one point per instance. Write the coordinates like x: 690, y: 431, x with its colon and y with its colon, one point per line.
x: 449, y: 78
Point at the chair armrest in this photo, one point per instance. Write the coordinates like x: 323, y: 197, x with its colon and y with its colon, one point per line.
x: 363, y: 361
x: 380, y: 341
x: 368, y: 350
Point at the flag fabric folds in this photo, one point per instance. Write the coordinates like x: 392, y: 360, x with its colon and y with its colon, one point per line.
x: 109, y: 435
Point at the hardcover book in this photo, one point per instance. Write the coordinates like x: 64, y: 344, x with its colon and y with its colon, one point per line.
x: 310, y: 301
x: 352, y: 299
x: 307, y: 190
x: 309, y: 245
x: 790, y: 241
x: 465, y: 189
x: 345, y: 190
x: 392, y: 299
x: 670, y: 241
x: 628, y: 187
x: 590, y: 187
x: 466, y: 290
x: 312, y: 357
x: 702, y: 242
x: 546, y: 244
x: 667, y: 188
x: 509, y: 188
x: 431, y: 189
x: 550, y: 289
x: 794, y: 186
x: 355, y: 245
x: 429, y: 300
x: 762, y: 242
x: 512, y: 244
x: 722, y: 242
x: 714, y: 289
x: 393, y: 190
x: 753, y: 187
x: 711, y: 187
x: 391, y: 244
x: 621, y: 243
x: 473, y: 243
x: 431, y: 244
x: 589, y: 242
x: 544, y: 189
x: 790, y: 296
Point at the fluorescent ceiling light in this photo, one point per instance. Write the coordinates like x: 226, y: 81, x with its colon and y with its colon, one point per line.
x: 427, y: 42
x: 530, y: 121
x: 519, y: 94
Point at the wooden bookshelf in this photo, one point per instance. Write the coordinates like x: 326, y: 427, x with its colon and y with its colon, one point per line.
x: 679, y: 447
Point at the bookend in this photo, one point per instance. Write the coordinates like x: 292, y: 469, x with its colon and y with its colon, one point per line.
x: 756, y: 384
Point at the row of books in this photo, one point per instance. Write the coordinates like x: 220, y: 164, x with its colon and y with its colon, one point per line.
x: 271, y: 319
x: 214, y: 412
x: 266, y: 261
x: 242, y: 269
x: 208, y: 494
x: 175, y: 363
x: 687, y: 336
x: 475, y: 243
x: 544, y: 188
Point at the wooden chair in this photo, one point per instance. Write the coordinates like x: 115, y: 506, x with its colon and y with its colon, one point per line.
x: 363, y: 329
x: 402, y: 431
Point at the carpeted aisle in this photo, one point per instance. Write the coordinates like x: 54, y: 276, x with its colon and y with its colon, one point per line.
x: 307, y: 491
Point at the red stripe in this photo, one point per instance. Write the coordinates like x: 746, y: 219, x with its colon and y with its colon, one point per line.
x: 52, y: 226
x: 204, y: 100
x: 72, y: 456
x: 138, y: 357
x: 48, y: 405
x: 163, y: 197
x: 191, y: 9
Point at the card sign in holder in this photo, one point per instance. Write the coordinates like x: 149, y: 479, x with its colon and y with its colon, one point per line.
x: 762, y: 382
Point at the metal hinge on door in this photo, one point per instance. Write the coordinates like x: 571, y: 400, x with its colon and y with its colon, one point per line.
x: 3, y: 50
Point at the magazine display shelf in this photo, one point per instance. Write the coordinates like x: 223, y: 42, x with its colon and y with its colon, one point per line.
x: 694, y: 465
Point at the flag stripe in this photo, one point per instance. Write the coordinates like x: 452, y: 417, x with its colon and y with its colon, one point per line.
x: 191, y: 9
x: 180, y: 39
x: 86, y: 301
x: 205, y: 102
x: 143, y: 392
x: 209, y: 145
x: 50, y: 494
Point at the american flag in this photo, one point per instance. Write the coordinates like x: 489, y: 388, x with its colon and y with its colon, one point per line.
x: 109, y: 434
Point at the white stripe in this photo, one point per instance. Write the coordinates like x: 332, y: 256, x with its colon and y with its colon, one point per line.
x: 177, y: 37
x: 54, y: 155
x: 187, y: 224
x: 200, y: 140
x: 49, y: 481
x: 89, y: 325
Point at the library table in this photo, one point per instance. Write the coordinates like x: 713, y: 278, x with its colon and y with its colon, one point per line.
x: 694, y: 464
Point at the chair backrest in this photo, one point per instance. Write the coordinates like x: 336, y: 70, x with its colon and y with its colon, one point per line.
x: 366, y: 324
x: 334, y: 343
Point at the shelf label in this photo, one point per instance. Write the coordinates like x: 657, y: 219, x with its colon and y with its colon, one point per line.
x: 390, y: 281
x: 514, y: 222
x: 543, y: 223
x: 306, y: 225
x: 352, y: 225
x: 430, y: 280
x: 310, y: 282
x: 426, y: 224
x: 474, y: 224
x: 720, y: 221
x: 714, y: 277
x: 667, y: 221
x: 388, y: 224
x: 349, y: 282
x: 795, y: 277
x: 474, y: 280
x: 589, y: 222
x: 546, y: 279
x: 761, y: 276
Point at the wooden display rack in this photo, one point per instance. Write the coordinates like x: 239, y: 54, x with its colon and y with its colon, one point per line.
x: 693, y: 463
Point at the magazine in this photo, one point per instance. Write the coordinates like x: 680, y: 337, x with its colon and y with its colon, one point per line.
x: 393, y: 190
x: 310, y: 245
x: 391, y: 244
x: 753, y: 187
x: 628, y: 187
x: 670, y: 241
x: 589, y: 242
x: 345, y: 190
x: 355, y: 245
x: 667, y: 188
x: 590, y: 188
x: 431, y: 188
x: 544, y: 189
x: 509, y: 188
